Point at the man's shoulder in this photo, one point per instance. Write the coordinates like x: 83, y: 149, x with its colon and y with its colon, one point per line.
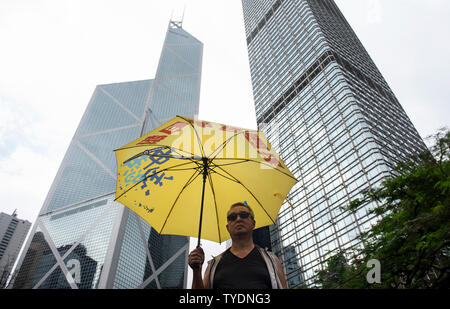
x: 261, y: 249
x: 267, y: 251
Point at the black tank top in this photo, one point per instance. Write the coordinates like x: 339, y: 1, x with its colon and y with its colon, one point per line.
x: 250, y: 272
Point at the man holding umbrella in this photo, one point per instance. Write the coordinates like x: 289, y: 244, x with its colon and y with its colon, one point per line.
x: 244, y: 265
x: 181, y: 170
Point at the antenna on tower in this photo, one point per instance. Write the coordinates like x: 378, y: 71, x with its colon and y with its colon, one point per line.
x: 178, y: 23
x: 182, y: 17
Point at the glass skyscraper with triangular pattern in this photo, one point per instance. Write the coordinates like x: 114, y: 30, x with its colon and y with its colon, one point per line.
x: 82, y: 238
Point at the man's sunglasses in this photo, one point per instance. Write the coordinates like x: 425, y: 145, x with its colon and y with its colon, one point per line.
x: 242, y: 214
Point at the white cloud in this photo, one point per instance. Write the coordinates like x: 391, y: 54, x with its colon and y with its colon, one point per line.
x: 26, y: 177
x: 16, y: 121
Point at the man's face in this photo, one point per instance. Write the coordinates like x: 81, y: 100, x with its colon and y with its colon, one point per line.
x: 240, y: 225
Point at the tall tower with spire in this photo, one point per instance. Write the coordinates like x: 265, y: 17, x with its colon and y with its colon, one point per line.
x: 82, y: 238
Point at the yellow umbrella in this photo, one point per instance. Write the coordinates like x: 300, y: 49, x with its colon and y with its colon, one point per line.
x: 183, y: 176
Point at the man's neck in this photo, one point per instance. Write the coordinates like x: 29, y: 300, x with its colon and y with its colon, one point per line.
x: 241, y: 247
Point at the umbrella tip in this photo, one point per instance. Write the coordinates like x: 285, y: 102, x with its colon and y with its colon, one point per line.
x: 286, y: 198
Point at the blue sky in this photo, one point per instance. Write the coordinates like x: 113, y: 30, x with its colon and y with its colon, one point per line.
x: 54, y: 53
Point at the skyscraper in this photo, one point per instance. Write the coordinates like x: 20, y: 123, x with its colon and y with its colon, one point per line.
x: 13, y: 232
x: 328, y: 111
x: 82, y: 237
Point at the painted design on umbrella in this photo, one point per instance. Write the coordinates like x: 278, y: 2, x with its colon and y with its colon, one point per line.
x: 183, y: 176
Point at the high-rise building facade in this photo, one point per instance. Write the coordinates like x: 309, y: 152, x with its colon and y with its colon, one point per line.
x: 82, y: 237
x: 13, y: 232
x: 328, y: 111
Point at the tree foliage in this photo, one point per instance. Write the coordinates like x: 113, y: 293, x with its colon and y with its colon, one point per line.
x: 412, y: 238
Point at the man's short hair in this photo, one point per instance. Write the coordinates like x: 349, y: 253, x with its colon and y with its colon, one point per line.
x: 252, y: 214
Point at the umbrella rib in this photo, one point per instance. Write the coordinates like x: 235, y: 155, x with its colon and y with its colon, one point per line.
x: 190, y: 180
x: 233, y: 163
x: 254, y: 161
x: 224, y: 144
x: 251, y: 193
x: 215, y: 204
x: 176, y: 151
x: 214, y: 171
x: 145, y: 178
x: 196, y: 133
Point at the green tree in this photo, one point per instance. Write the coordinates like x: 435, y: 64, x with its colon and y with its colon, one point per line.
x: 339, y: 274
x: 412, y: 238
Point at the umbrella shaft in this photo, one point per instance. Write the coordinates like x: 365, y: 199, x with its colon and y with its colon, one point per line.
x: 205, y: 174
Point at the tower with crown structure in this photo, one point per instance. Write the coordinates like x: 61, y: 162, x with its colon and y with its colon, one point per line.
x: 82, y: 238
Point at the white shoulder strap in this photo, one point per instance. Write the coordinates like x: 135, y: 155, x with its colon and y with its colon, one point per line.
x: 212, y: 268
x: 271, y: 267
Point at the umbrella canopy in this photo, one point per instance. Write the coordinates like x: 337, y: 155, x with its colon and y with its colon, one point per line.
x: 183, y: 177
